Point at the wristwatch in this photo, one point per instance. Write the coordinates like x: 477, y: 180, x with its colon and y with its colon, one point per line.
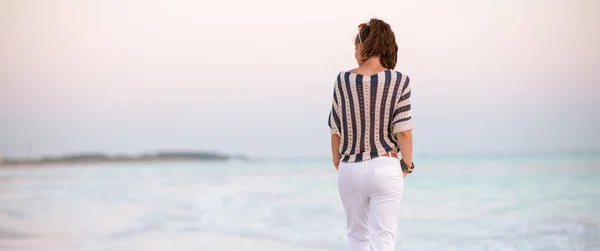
x: 405, y: 167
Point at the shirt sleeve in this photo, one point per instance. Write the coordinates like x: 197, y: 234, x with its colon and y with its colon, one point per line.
x: 334, y: 113
x: 402, y: 112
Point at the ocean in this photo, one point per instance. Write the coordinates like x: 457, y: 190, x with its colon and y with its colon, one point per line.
x: 491, y: 203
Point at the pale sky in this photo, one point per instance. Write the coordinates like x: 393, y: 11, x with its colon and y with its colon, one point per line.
x: 255, y: 77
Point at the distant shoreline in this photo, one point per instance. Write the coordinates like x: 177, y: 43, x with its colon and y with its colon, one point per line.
x: 167, y: 157
x: 75, y: 163
x: 94, y: 158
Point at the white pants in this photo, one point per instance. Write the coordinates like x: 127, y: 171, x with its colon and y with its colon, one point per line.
x: 371, y: 193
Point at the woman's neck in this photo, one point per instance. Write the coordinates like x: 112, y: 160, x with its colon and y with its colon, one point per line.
x: 371, y: 65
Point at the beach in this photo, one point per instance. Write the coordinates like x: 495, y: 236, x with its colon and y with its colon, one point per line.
x: 525, y: 203
x: 32, y: 239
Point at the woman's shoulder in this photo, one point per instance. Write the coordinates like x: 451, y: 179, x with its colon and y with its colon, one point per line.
x: 399, y: 74
x: 402, y: 74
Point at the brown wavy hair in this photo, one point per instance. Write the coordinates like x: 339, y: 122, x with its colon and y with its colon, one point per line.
x: 378, y: 39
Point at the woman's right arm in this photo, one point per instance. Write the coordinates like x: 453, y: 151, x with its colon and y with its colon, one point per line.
x: 405, y: 143
x: 402, y: 123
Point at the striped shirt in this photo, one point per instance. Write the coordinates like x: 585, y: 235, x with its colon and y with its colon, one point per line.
x: 367, y: 111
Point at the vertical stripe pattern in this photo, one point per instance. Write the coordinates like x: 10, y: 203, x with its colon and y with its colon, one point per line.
x: 367, y: 111
x: 373, y: 98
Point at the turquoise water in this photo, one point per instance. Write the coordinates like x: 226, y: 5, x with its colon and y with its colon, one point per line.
x: 524, y: 203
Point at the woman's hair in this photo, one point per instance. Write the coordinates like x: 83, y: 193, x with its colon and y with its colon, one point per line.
x: 378, y: 39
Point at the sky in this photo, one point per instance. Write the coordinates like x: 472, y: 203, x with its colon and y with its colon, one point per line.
x: 256, y: 77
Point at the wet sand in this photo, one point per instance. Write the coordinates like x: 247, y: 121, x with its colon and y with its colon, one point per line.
x: 27, y: 235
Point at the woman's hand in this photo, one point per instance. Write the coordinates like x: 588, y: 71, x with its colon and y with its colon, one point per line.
x: 404, y: 173
x: 336, y: 163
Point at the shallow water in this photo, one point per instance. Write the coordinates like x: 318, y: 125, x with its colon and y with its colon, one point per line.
x: 452, y: 204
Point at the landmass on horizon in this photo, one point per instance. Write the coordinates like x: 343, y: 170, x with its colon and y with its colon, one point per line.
x: 100, y: 158
x: 207, y: 156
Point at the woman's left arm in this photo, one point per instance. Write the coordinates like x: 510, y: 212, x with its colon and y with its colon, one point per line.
x: 334, y: 126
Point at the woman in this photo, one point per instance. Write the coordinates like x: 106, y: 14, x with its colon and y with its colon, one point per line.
x: 370, y: 120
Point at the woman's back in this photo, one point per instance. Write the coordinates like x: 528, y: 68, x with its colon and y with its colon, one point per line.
x: 367, y: 111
